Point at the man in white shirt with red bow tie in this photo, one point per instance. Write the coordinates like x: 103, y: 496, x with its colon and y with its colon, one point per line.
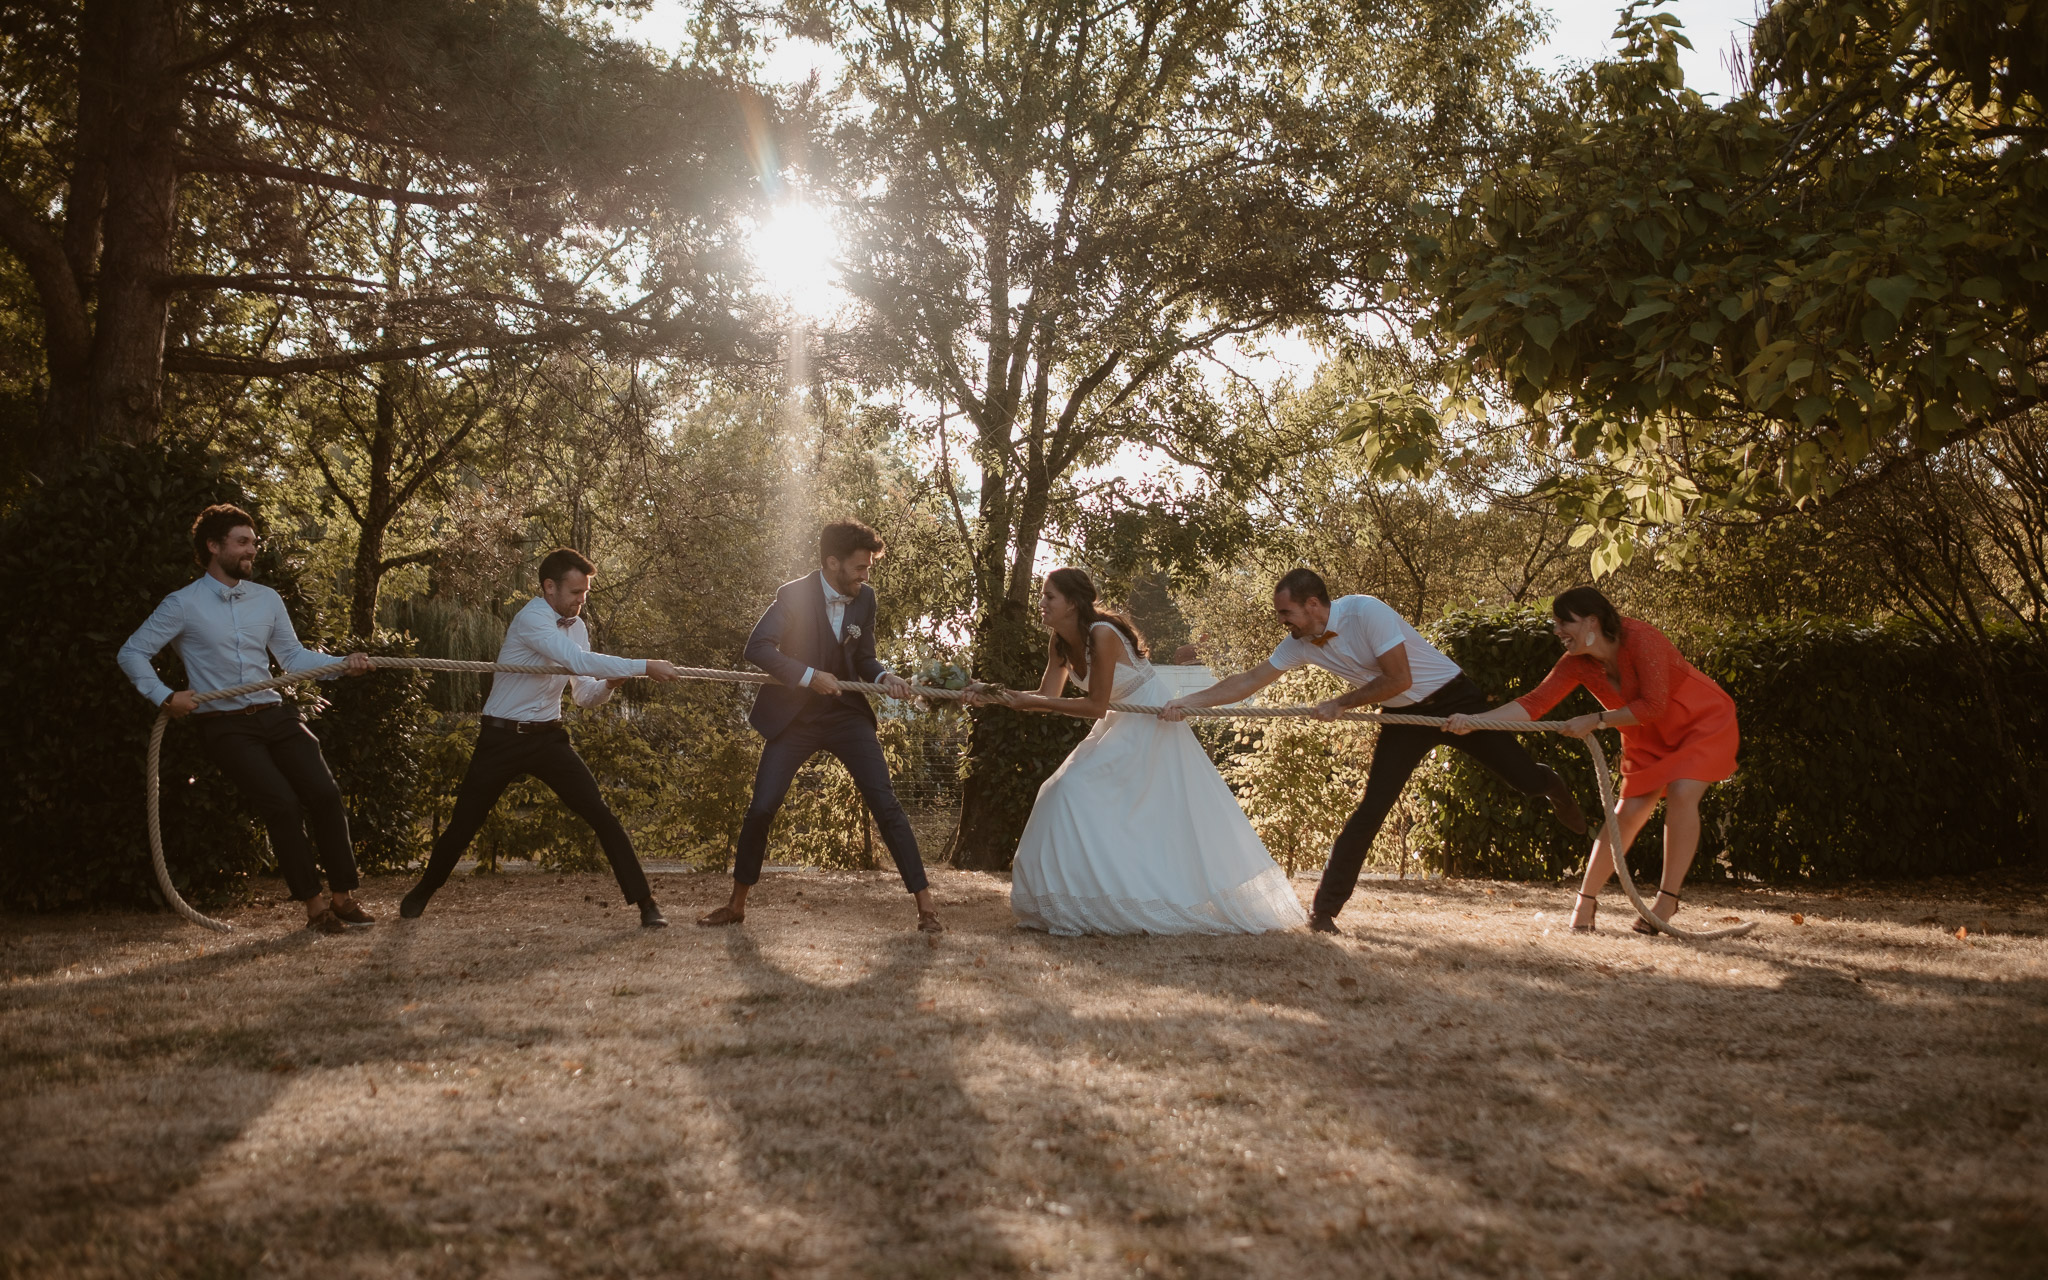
x: 1363, y: 641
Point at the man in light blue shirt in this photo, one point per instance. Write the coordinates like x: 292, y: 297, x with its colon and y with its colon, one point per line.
x: 226, y: 629
x: 522, y: 732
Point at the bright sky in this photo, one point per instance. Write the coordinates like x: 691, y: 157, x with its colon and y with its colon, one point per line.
x: 1583, y: 33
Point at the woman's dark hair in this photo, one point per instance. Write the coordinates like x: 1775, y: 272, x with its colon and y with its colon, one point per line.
x: 214, y: 525
x: 1587, y: 602
x: 1075, y: 585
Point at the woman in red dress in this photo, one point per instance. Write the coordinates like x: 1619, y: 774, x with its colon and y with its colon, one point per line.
x: 1678, y: 734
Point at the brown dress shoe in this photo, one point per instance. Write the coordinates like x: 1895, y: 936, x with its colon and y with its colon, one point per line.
x: 352, y: 915
x: 724, y: 915
x: 326, y: 922
x: 928, y: 922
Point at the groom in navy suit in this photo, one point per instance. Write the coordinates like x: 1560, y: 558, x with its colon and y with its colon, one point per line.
x: 819, y: 631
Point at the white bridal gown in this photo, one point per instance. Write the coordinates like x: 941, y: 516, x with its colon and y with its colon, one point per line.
x: 1136, y: 832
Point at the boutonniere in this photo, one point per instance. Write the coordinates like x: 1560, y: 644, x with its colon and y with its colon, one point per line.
x: 851, y: 634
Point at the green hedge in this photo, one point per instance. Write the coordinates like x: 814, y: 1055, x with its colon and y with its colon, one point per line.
x: 1865, y: 753
x: 85, y: 560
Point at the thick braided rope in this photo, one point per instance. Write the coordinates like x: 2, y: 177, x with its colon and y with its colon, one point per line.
x: 1608, y: 804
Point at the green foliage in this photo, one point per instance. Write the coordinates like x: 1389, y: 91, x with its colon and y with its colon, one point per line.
x: 74, y: 828
x: 1298, y: 782
x: 372, y: 729
x: 84, y: 561
x: 1865, y: 753
x: 1868, y: 751
x: 677, y: 776
x: 1744, y: 307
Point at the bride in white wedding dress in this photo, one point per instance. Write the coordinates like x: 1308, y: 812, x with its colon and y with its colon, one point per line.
x: 1135, y: 832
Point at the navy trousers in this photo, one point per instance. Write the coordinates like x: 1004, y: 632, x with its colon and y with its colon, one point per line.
x: 849, y: 735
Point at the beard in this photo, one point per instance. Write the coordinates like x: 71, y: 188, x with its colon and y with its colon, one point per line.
x: 239, y: 570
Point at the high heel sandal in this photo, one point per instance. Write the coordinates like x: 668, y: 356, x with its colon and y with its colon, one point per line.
x: 1644, y: 926
x: 1588, y: 926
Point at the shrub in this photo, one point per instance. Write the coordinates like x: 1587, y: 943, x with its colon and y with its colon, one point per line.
x: 84, y: 560
x: 96, y: 552
x: 1865, y: 753
x: 372, y: 729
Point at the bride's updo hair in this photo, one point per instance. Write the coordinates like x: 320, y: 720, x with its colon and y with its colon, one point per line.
x: 1076, y: 586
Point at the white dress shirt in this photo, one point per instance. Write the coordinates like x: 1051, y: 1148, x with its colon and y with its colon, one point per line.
x: 835, y: 614
x: 538, y: 636
x: 1365, y: 628
x: 225, y: 636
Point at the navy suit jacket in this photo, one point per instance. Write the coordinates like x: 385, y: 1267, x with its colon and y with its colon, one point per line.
x: 796, y: 633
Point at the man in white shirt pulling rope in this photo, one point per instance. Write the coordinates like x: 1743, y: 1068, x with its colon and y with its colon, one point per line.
x: 522, y: 732
x: 1364, y: 641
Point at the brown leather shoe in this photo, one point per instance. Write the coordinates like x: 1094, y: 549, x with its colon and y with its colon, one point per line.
x: 326, y: 922
x: 928, y: 922
x: 352, y: 915
x: 724, y: 915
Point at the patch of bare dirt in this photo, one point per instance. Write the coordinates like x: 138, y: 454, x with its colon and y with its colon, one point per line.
x: 524, y: 1084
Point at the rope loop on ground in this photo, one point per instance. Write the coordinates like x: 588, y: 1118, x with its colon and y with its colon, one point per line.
x: 1609, y: 804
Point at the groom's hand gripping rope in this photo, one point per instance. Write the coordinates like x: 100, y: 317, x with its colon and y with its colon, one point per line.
x: 895, y: 686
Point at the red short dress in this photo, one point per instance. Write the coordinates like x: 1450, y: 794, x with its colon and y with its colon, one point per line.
x: 1686, y: 723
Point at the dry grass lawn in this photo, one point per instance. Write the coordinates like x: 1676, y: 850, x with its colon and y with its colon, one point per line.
x: 523, y: 1085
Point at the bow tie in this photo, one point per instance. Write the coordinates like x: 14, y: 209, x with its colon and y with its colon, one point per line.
x: 564, y: 622
x: 1321, y: 640
x: 231, y: 594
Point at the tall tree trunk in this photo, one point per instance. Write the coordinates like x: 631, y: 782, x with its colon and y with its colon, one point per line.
x: 125, y: 390
x: 1009, y: 754
x: 379, y: 508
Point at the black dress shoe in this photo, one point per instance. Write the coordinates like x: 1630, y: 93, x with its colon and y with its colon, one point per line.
x: 1566, y: 806
x: 1322, y: 924
x: 414, y: 904
x: 650, y: 915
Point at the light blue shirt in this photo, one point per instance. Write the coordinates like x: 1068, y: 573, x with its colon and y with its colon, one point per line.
x: 539, y: 636
x: 225, y: 636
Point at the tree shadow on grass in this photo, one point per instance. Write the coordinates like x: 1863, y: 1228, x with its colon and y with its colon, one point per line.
x: 143, y: 1141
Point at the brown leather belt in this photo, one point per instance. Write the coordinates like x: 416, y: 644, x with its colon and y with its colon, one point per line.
x: 238, y: 711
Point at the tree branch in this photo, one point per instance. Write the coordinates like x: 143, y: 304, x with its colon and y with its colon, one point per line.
x: 443, y: 200
x: 65, y: 327
x: 399, y: 562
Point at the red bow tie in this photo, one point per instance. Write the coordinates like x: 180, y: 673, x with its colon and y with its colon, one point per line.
x: 1321, y: 640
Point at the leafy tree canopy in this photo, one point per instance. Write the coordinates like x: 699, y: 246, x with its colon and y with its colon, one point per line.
x: 277, y: 188
x: 1695, y: 311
